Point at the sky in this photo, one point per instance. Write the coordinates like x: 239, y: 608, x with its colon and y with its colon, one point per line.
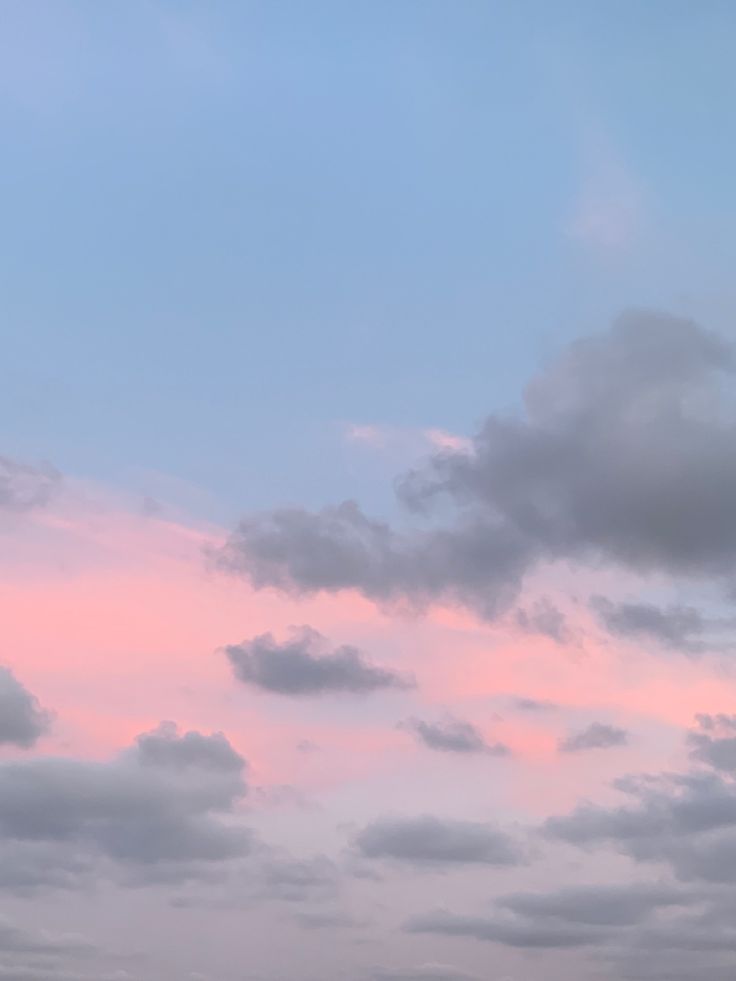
x: 367, y: 491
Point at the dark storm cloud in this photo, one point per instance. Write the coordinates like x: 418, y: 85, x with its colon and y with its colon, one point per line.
x: 597, y: 735
x: 433, y: 841
x: 625, y: 452
x: 159, y: 809
x: 22, y: 720
x: 452, y: 736
x: 23, y: 487
x: 300, y: 667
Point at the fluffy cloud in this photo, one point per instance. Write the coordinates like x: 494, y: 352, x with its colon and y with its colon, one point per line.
x: 432, y: 841
x: 299, y: 667
x: 625, y: 453
x: 22, y: 720
x: 477, y: 561
x: 453, y: 736
x: 159, y: 810
x: 597, y: 735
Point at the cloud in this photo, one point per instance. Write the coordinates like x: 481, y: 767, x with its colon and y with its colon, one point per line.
x: 544, y: 618
x: 296, y: 880
x: 511, y: 933
x: 33, y: 954
x: 160, y: 809
x: 296, y: 666
x: 597, y: 735
x: 625, y: 453
x: 453, y: 736
x: 680, y: 628
x: 614, y: 919
x: 595, y: 905
x: 22, y: 720
x: 567, y: 918
x: 714, y: 742
x: 341, y: 548
x: 685, y: 820
x: 434, y: 841
x: 523, y: 704
x: 18, y: 940
x: 23, y: 487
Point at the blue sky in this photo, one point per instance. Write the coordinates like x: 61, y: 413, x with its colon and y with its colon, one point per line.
x: 230, y: 227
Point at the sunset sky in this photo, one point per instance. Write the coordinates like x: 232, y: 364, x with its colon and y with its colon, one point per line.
x: 367, y: 490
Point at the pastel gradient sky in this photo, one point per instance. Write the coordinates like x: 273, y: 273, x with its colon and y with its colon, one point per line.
x: 367, y: 491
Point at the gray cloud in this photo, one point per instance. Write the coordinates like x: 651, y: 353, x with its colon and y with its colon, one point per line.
x: 680, y: 628
x: 22, y: 720
x: 522, y: 704
x: 269, y: 875
x: 298, y: 666
x: 597, y: 735
x: 160, y: 809
x: 596, y: 905
x: 296, y: 880
x: 714, y: 742
x: 544, y: 618
x: 511, y: 933
x: 624, y: 453
x: 18, y: 940
x: 34, y: 954
x: 23, y: 487
x: 684, y: 820
x: 453, y: 736
x: 433, y: 841
x: 626, y: 927
x: 477, y: 561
